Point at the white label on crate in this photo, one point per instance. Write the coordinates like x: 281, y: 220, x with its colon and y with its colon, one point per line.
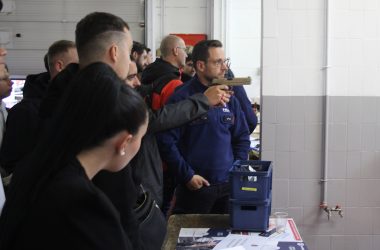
x: 252, y: 178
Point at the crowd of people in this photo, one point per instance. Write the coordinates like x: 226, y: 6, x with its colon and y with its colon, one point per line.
x: 107, y: 126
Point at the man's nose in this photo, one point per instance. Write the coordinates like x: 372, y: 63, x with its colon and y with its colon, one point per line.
x: 137, y: 82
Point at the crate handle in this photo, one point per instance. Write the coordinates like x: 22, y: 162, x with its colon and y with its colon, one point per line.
x: 248, y: 207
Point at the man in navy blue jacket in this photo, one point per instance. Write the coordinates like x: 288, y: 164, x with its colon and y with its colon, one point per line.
x: 201, y: 153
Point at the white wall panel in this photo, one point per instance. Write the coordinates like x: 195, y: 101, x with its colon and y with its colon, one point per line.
x: 180, y: 16
x: 371, y: 4
x: 297, y: 27
x: 31, y: 33
x: 41, y: 22
x: 354, y: 131
x: 245, y: 19
x: 244, y: 42
x: 285, y: 26
x: 73, y: 10
x: 24, y: 62
x: 186, y: 20
x: 245, y: 53
x: 186, y: 4
x: 354, y: 48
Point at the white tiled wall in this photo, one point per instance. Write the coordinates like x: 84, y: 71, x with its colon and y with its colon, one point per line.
x: 292, y: 43
x: 294, y: 50
x: 354, y: 48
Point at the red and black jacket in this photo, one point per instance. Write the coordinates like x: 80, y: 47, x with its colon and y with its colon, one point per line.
x: 161, y: 78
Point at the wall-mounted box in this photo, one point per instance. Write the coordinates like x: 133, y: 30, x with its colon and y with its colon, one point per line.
x: 6, y: 37
x: 9, y: 7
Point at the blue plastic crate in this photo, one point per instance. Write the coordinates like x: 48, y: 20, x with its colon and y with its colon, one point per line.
x: 250, y: 215
x: 248, y: 185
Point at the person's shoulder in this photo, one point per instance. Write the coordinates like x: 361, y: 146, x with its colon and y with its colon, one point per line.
x: 66, y: 74
x: 186, y: 87
x: 25, y: 109
x: 239, y: 90
x: 71, y: 186
x: 23, y: 106
x: 234, y: 102
x: 181, y: 91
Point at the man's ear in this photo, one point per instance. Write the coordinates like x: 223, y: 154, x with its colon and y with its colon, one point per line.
x: 201, y: 66
x: 135, y: 55
x: 59, y: 65
x: 175, y: 51
x: 112, y: 52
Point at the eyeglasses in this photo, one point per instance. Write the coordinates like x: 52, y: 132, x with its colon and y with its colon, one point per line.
x: 221, y: 62
x: 183, y: 48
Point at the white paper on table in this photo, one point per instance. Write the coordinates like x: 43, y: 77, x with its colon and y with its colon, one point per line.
x: 252, y: 241
x: 234, y: 248
x: 236, y: 240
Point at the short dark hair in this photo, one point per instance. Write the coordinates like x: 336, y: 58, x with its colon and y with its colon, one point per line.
x: 200, y: 51
x: 46, y: 63
x: 139, y: 48
x: 89, y: 31
x: 256, y: 105
x: 121, y: 107
x: 58, y: 47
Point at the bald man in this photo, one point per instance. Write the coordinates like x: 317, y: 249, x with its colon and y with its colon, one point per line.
x: 163, y: 77
x: 164, y: 73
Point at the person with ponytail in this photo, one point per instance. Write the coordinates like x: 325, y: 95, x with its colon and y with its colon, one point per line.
x: 52, y: 203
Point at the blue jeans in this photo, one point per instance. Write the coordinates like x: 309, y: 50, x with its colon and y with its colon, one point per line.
x: 207, y: 200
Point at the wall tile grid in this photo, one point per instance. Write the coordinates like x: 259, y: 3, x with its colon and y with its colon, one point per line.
x: 293, y: 117
x: 294, y: 143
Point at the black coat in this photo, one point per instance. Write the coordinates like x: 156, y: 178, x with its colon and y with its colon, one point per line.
x: 157, y: 70
x: 147, y: 164
x: 72, y: 213
x: 23, y: 122
x: 145, y: 168
x: 119, y: 187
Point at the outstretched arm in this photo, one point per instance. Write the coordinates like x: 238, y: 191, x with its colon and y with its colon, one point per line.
x: 173, y: 115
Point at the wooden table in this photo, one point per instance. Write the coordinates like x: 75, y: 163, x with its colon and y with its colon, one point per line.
x: 177, y: 221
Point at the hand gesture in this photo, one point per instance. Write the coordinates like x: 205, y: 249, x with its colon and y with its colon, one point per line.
x: 197, y: 182
x: 218, y: 95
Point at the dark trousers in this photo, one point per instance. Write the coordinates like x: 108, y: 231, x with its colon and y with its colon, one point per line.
x: 207, y: 200
x: 168, y: 192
